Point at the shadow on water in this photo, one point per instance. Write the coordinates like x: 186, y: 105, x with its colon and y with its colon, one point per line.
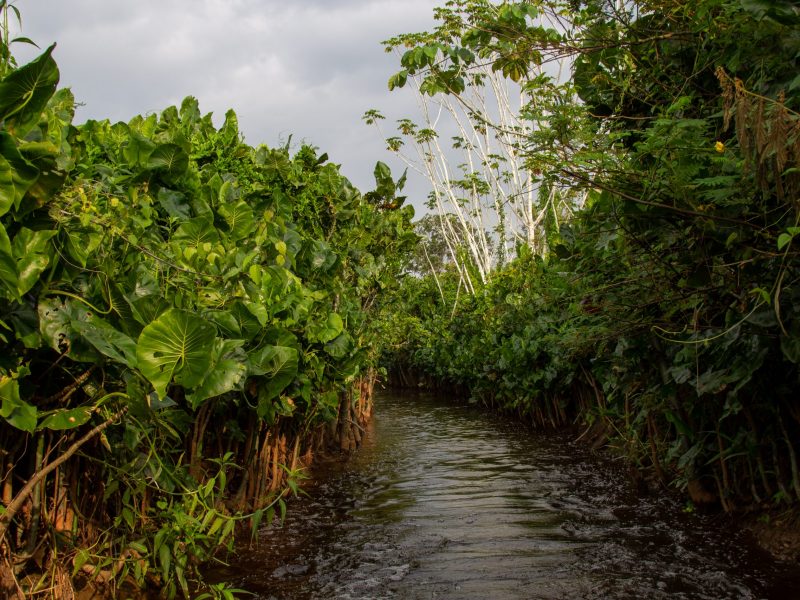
x: 445, y: 501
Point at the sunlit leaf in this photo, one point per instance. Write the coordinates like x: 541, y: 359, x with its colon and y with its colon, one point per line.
x: 24, y: 93
x: 67, y: 419
x: 176, y: 345
x: 13, y: 409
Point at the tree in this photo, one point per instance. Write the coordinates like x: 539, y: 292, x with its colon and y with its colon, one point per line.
x: 483, y: 103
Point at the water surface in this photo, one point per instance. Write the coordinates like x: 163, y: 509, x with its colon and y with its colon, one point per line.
x: 444, y: 501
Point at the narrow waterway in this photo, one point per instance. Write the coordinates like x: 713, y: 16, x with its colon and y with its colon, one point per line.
x: 445, y: 501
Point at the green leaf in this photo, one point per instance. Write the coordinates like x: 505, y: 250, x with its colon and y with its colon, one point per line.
x: 67, y: 419
x: 239, y: 218
x: 30, y: 250
x: 790, y: 346
x: 174, y: 203
x: 137, y: 149
x: 81, y: 558
x: 13, y: 409
x: 7, y: 189
x: 196, y: 232
x: 329, y: 330
x: 237, y: 322
x: 165, y: 560
x: 24, y: 93
x: 55, y: 324
x: 8, y: 266
x: 107, y: 339
x: 227, y: 372
x: 176, y: 345
x: 81, y: 245
x: 146, y: 308
x: 340, y: 346
x: 279, y: 364
x: 783, y: 240
x: 170, y: 158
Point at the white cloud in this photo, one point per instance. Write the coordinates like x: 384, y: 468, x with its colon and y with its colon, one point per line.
x: 303, y: 67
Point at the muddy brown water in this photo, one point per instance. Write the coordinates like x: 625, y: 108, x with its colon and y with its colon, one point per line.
x: 445, y: 501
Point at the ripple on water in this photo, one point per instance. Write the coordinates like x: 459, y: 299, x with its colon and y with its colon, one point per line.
x: 446, y: 502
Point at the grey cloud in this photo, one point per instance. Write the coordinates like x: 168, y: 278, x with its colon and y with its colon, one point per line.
x: 304, y: 67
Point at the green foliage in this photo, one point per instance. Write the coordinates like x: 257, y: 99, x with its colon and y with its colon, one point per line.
x: 667, y: 312
x: 164, y: 267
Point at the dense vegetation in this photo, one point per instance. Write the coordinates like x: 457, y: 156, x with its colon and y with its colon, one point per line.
x: 667, y: 312
x: 182, y: 318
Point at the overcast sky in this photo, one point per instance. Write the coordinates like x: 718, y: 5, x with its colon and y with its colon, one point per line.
x: 304, y: 67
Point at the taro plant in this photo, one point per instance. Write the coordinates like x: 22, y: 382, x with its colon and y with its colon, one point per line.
x: 180, y: 314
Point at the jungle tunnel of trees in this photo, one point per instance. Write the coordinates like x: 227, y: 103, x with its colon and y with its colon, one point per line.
x: 187, y: 319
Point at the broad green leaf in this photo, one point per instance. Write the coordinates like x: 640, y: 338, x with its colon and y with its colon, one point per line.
x: 146, y: 308
x: 176, y: 345
x: 137, y: 150
x: 227, y: 372
x: 790, y: 346
x: 55, y: 324
x: 239, y: 218
x: 275, y: 162
x: 328, y: 330
x: 196, y: 232
x: 228, y: 193
x: 174, y: 203
x: 279, y: 364
x: 170, y: 158
x: 24, y: 93
x: 13, y: 409
x: 67, y: 419
x: 165, y: 561
x: 784, y: 239
x: 340, y: 346
x: 280, y: 336
x: 8, y: 266
x: 30, y: 250
x: 81, y: 245
x: 7, y: 190
x: 237, y: 322
x: 107, y: 339
x: 259, y: 311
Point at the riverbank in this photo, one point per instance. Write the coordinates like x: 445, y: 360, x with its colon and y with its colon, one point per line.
x: 777, y: 532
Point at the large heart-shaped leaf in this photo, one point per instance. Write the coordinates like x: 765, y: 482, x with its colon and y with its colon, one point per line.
x: 237, y: 321
x: 137, y: 149
x: 196, y: 232
x: 239, y: 218
x: 226, y: 373
x: 146, y: 308
x: 170, y: 158
x: 24, y: 93
x: 174, y: 203
x: 55, y: 324
x: 176, y: 345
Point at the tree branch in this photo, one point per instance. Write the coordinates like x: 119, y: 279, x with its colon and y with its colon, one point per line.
x: 16, y: 504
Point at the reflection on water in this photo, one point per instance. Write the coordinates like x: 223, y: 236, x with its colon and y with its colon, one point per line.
x: 444, y: 501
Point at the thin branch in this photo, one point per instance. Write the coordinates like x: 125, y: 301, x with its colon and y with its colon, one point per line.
x: 19, y: 500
